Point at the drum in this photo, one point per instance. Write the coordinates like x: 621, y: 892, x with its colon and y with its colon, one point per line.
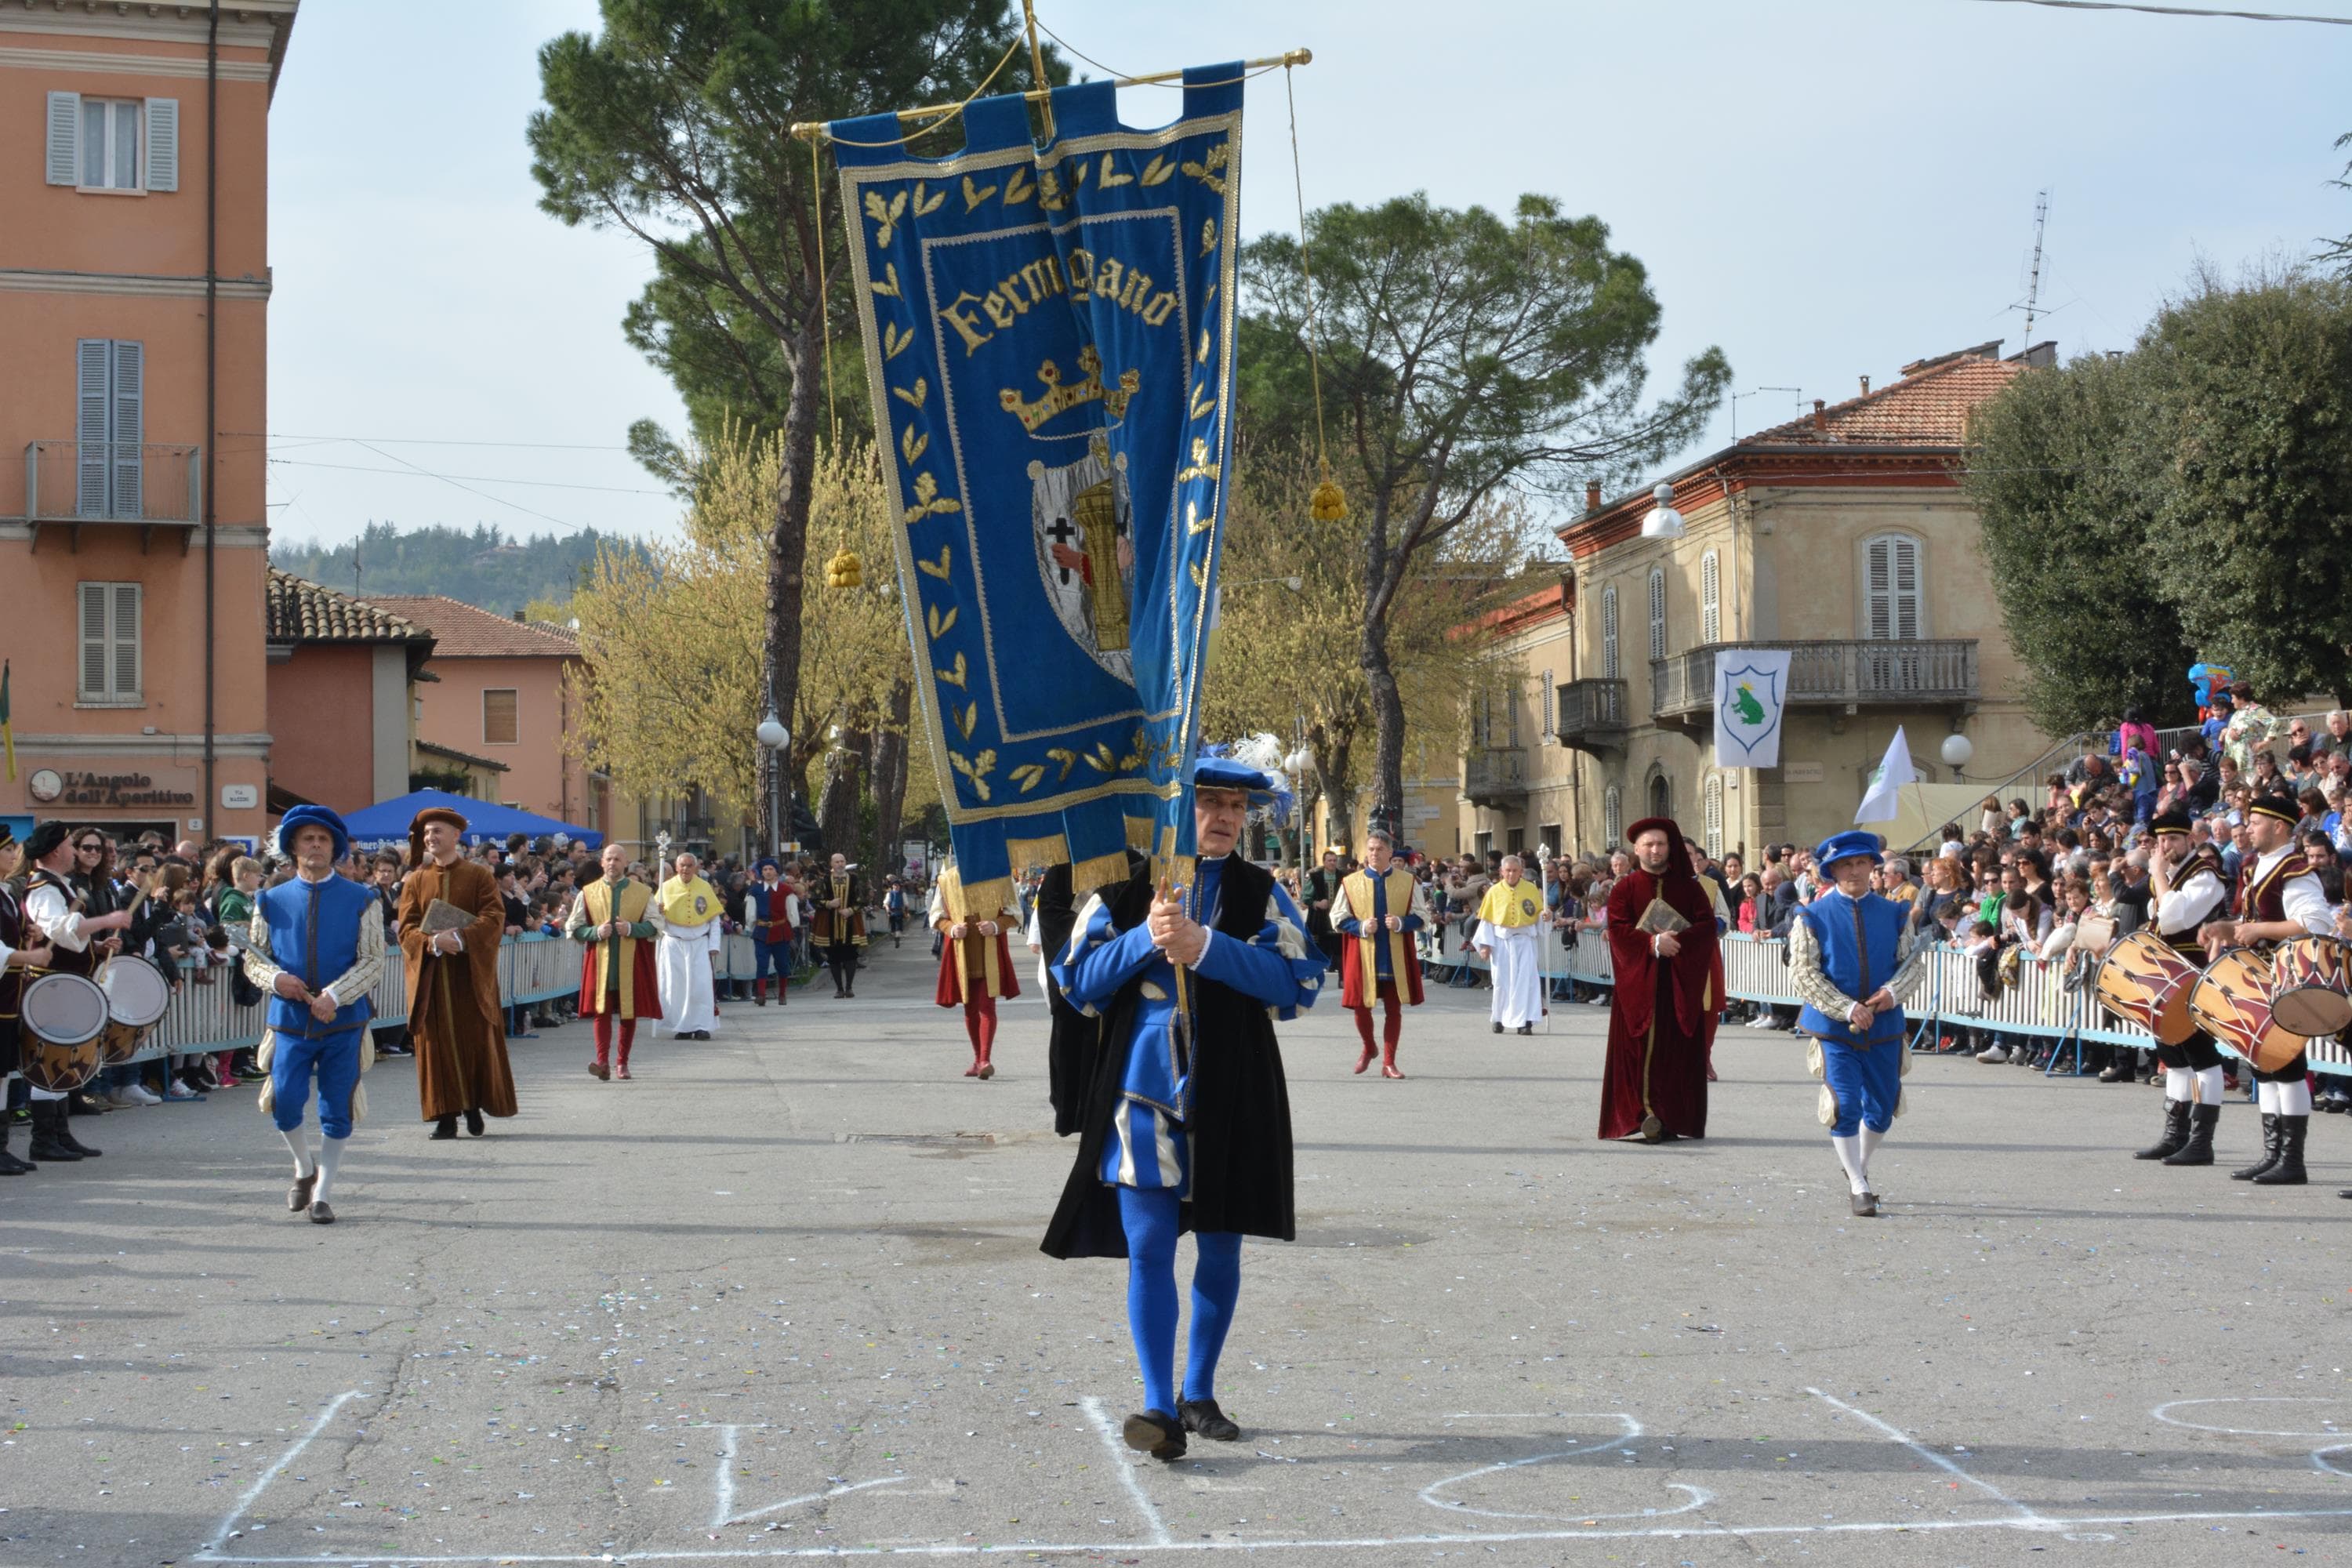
x: 136, y: 995
x: 2144, y: 980
x: 57, y: 1023
x: 2311, y: 986
x: 2231, y: 1002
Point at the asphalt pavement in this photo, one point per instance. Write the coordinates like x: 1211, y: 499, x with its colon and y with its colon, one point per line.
x: 780, y: 1295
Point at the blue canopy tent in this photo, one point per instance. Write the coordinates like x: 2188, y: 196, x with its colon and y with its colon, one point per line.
x: 386, y: 822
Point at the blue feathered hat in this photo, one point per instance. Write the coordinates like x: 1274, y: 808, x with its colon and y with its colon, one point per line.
x: 302, y: 817
x: 1225, y: 772
x: 1846, y: 846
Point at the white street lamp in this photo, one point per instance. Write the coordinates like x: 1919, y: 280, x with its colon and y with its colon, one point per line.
x: 773, y: 734
x: 1665, y: 521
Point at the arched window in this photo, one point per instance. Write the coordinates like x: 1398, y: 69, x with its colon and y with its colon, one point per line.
x: 1712, y: 827
x: 1890, y: 588
x: 1612, y: 817
x: 1710, y: 599
x: 1657, y: 612
x: 1662, y: 795
x: 1609, y: 633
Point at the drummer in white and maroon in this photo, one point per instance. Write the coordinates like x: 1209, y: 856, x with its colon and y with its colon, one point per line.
x: 78, y: 943
x: 316, y: 948
x: 19, y: 953
x: 2279, y: 899
x: 2185, y: 893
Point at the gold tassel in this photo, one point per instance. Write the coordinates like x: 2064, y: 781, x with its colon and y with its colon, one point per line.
x: 1329, y: 502
x: 844, y: 570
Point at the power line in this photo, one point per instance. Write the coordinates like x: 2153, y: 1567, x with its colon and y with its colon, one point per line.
x: 423, y: 441
x: 416, y: 472
x: 2174, y: 10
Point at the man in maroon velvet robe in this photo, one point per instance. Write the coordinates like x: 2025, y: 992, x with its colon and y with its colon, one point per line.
x: 1669, y: 986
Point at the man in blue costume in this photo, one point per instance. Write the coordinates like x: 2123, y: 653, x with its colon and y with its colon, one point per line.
x: 1175, y: 1139
x: 317, y: 949
x: 1852, y: 966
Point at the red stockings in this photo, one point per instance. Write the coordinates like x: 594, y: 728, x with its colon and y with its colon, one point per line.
x: 604, y: 1028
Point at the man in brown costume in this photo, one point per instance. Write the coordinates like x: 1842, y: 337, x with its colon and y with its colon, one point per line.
x: 455, y: 1021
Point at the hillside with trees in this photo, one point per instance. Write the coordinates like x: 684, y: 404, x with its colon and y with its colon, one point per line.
x: 484, y: 566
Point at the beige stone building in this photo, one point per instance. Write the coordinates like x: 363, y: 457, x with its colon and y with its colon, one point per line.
x: 1842, y: 536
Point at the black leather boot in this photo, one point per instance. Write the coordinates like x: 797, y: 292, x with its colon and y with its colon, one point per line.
x: 2287, y: 1170
x: 2199, y: 1150
x: 445, y: 1127
x: 50, y: 1139
x: 2176, y: 1132
x: 2270, y: 1152
x: 9, y: 1164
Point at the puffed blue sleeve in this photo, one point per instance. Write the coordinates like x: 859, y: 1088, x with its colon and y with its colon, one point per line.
x: 1273, y: 966
x: 1098, y: 960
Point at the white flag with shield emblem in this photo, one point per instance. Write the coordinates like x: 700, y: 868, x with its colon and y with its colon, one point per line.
x: 1752, y: 686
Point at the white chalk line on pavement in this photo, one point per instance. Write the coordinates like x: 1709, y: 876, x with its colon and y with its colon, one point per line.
x: 2025, y: 1515
x: 724, y: 1508
x: 1699, y: 1496
x: 1120, y: 1462
x: 229, y: 1521
x: 2158, y: 1414
x: 841, y: 1490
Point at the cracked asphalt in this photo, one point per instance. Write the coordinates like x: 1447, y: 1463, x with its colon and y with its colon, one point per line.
x: 780, y: 1295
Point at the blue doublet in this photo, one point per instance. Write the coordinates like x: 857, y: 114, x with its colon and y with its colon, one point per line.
x: 314, y: 934
x: 1861, y: 942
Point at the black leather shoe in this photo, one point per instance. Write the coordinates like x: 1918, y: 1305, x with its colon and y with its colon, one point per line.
x: 1150, y: 1432
x: 1498, y: 1029
x: 446, y: 1127
x: 1203, y: 1415
x: 297, y: 1197
x: 1865, y: 1206
x: 321, y: 1213
x: 474, y: 1122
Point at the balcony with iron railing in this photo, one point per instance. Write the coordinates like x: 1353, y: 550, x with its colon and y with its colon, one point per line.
x: 1496, y: 776
x: 145, y: 485
x: 1849, y: 674
x: 1593, y: 714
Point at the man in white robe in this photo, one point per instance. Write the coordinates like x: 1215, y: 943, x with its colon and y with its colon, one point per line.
x: 1511, y: 919
x: 686, y: 910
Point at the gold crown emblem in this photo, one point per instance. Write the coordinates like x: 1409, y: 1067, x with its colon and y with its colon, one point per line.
x: 1059, y: 398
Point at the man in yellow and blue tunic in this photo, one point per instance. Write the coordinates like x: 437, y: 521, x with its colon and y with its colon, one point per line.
x: 1510, y: 934
x: 1174, y: 1139
x: 613, y: 921
x: 1377, y: 915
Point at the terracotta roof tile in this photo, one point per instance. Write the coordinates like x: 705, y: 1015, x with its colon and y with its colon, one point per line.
x: 299, y: 610
x: 467, y: 631
x: 1928, y: 408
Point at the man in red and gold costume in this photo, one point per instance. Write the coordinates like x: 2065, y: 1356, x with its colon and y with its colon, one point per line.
x: 975, y: 962
x: 615, y: 928
x: 1669, y: 987
x: 1377, y: 912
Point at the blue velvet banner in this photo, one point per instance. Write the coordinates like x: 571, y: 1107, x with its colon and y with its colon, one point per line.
x: 1049, y: 350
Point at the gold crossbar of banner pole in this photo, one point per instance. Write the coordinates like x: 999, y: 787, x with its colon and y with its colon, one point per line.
x: 816, y: 130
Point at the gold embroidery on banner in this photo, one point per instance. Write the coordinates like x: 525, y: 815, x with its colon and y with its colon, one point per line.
x: 976, y: 769
x: 1068, y: 758
x: 1108, y: 177
x: 1200, y: 467
x: 886, y: 215
x: 1102, y: 759
x: 1203, y: 355
x: 1210, y: 170
x: 1078, y: 175
x: 1194, y: 522
x: 937, y: 568
x: 1049, y: 192
x: 1203, y: 403
x: 929, y: 500
x: 1028, y: 775
x: 1058, y: 398
x: 969, y: 719
x: 895, y: 339
x: 926, y: 205
x: 1200, y: 576
x: 1157, y: 171
x: 913, y: 444
x: 1018, y: 187
x: 888, y: 290
x: 913, y: 398
x: 955, y: 677
x: 1208, y: 235
x: 941, y: 625
x: 975, y: 194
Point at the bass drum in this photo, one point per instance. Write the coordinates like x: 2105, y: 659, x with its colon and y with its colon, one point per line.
x: 2311, y: 986
x: 2142, y: 979
x: 136, y: 998
x: 2231, y: 1002
x: 57, y: 1026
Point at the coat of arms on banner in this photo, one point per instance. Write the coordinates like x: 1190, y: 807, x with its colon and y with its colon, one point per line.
x: 1750, y: 690
x: 1084, y: 524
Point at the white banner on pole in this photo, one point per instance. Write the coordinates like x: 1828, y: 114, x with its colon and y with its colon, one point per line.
x: 1879, y: 803
x: 1751, y: 690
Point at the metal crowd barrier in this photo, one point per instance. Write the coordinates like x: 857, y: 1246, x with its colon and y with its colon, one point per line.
x: 2041, y: 1004
x: 532, y: 967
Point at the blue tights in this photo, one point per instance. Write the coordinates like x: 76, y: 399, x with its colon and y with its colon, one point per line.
x: 1150, y: 1219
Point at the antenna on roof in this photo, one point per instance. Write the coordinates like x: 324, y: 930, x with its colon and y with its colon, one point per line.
x: 1796, y: 392
x: 2031, y: 307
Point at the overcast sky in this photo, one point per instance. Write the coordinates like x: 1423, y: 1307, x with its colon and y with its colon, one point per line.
x: 1826, y: 189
